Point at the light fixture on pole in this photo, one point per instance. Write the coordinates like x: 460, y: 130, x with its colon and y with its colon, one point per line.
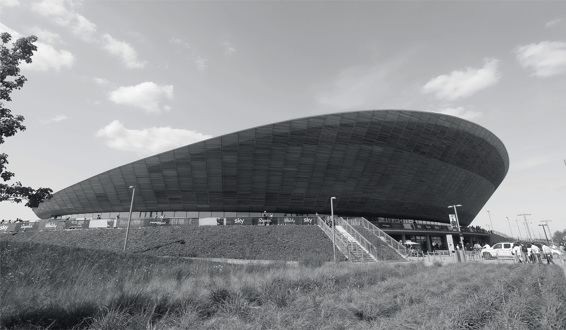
x: 129, y: 218
x: 549, y: 232
x: 519, y: 227
x: 458, y: 223
x: 542, y: 225
x: 524, y: 215
x: 509, y: 222
x: 489, y: 214
x: 333, y: 227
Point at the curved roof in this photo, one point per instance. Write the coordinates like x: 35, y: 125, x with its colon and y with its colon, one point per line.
x: 391, y: 163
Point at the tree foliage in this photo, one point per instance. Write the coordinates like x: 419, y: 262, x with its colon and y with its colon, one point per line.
x: 11, y: 79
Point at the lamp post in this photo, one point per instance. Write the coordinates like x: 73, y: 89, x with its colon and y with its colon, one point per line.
x: 544, y: 233
x: 129, y: 217
x: 458, y: 223
x: 524, y: 215
x: 333, y: 227
x: 489, y: 214
x: 519, y: 228
x: 549, y: 232
x: 509, y: 222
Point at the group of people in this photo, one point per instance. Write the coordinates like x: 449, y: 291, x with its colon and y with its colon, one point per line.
x: 525, y: 252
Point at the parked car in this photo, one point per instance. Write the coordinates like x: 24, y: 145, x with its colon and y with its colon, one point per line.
x: 503, y: 249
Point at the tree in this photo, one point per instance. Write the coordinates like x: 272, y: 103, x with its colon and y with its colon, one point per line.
x: 11, y: 79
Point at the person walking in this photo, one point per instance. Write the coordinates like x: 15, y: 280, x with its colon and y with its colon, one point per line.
x: 547, y: 252
x: 517, y: 252
x: 535, y: 252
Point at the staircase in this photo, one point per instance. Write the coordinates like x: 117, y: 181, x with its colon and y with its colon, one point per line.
x: 378, y: 233
x: 355, y: 252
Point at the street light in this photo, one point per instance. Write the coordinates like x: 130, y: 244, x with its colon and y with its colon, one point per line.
x: 509, y: 222
x: 526, y: 225
x: 458, y: 223
x: 333, y: 227
x: 129, y: 218
x: 518, y: 227
x: 549, y: 232
x: 489, y: 214
x: 544, y: 233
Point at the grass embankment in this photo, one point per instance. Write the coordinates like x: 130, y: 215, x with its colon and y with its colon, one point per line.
x: 58, y: 287
x: 237, y: 242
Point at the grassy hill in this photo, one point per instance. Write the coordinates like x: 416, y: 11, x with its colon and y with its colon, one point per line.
x: 57, y: 287
x: 234, y: 242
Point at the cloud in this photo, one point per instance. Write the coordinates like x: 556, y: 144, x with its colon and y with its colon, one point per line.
x: 146, y: 95
x: 545, y: 59
x: 58, y: 12
x: 461, y: 112
x: 201, y: 63
x: 46, y: 36
x: 54, y: 119
x: 123, y: 50
x: 553, y: 23
x: 9, y: 3
x: 147, y: 141
x: 463, y: 83
x: 228, y: 48
x: 354, y: 87
x: 47, y: 57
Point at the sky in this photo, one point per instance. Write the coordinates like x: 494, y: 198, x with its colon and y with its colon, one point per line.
x: 115, y: 81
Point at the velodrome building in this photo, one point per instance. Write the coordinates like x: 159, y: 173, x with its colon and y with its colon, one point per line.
x: 399, y: 169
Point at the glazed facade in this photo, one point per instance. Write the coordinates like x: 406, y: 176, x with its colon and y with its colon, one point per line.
x: 382, y: 163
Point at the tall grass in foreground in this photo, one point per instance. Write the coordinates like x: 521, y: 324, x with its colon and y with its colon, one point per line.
x: 53, y: 287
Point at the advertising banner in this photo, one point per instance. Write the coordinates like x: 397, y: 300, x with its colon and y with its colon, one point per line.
x: 308, y: 221
x: 239, y: 221
x: 265, y: 221
x: 156, y: 222
x: 184, y: 222
x: 48, y: 225
x: 77, y: 224
x: 10, y: 227
x: 29, y: 226
x: 292, y: 221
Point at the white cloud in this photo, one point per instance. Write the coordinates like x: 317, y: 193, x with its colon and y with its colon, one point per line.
x: 553, y: 23
x: 545, y: 59
x: 228, y: 48
x: 9, y: 3
x: 461, y: 112
x: 201, y: 64
x: 463, y: 83
x: 46, y: 36
x: 354, y: 87
x: 100, y: 81
x: 58, y: 12
x: 54, y: 119
x: 47, y: 57
x: 147, y: 141
x: 123, y: 50
x: 146, y: 95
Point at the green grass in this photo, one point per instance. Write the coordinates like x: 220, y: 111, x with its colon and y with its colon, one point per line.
x: 46, y: 286
x: 234, y: 242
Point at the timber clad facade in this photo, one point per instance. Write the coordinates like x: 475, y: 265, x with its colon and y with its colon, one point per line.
x: 382, y: 163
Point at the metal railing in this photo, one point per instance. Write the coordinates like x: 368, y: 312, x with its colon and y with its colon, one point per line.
x: 360, y: 240
x: 341, y: 242
x: 400, y: 248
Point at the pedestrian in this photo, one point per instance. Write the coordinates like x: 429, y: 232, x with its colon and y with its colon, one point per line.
x: 547, y: 252
x: 535, y: 252
x: 517, y: 252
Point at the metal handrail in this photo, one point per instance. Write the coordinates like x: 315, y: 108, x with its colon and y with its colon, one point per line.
x: 360, y: 239
x: 340, y: 243
x: 360, y: 221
